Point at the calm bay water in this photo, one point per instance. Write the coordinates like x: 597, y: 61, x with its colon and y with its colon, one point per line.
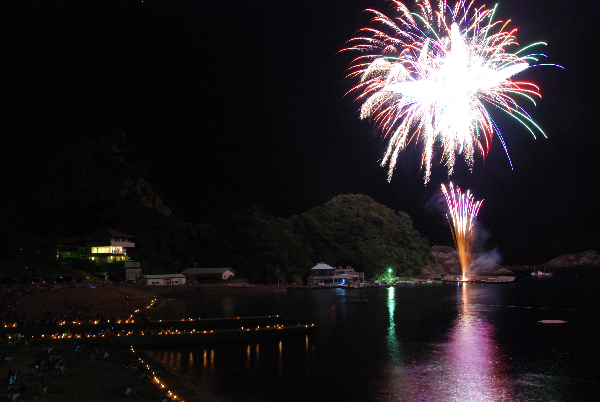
x: 436, y: 342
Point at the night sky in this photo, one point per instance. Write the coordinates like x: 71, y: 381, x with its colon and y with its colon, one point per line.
x: 239, y: 103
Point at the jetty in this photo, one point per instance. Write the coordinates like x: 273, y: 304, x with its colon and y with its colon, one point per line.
x: 161, y: 333
x: 481, y: 279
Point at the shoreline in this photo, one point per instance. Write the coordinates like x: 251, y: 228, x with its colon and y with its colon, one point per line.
x: 83, y: 379
x: 187, y: 390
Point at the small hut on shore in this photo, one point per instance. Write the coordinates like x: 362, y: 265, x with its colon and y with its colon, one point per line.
x: 165, y: 279
x: 208, y: 274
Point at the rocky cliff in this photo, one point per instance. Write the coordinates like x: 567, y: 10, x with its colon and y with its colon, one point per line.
x: 70, y: 170
x: 447, y: 262
x: 585, y: 259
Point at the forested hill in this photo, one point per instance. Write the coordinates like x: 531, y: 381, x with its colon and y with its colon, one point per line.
x: 348, y: 230
x: 69, y: 171
x: 355, y: 230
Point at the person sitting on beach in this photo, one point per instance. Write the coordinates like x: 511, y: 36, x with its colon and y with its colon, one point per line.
x: 14, y: 395
x: 36, y: 370
x: 130, y: 392
x: 105, y: 355
x: 51, y: 362
x: 61, y: 365
x: 78, y: 348
x: 23, y: 389
x: 43, y: 389
x: 13, y: 380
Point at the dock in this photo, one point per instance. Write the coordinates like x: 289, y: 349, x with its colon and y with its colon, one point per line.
x: 161, y: 333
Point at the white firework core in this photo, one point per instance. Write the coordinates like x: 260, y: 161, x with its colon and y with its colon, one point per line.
x: 431, y: 82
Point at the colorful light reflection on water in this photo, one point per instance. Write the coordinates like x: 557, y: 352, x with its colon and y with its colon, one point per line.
x: 461, y: 342
x: 466, y: 366
x: 476, y: 367
x: 392, y: 338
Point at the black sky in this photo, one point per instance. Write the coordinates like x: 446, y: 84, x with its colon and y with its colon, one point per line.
x: 240, y: 103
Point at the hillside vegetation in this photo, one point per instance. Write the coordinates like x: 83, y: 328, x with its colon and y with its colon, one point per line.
x: 71, y: 172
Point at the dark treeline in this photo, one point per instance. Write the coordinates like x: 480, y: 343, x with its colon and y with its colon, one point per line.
x: 348, y: 230
x: 69, y: 171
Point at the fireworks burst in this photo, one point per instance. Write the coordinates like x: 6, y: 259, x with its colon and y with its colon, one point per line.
x: 428, y: 75
x: 463, y: 211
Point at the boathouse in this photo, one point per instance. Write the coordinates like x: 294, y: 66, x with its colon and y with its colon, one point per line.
x: 326, y: 275
x: 204, y: 274
x: 165, y: 279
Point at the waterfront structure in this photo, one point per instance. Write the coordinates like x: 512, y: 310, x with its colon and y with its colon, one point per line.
x: 196, y: 274
x: 326, y: 275
x: 166, y: 279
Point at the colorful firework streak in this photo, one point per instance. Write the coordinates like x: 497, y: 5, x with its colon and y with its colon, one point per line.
x: 427, y: 76
x: 463, y: 211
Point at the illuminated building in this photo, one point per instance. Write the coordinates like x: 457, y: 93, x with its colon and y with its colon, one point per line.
x: 108, y: 246
x: 326, y: 275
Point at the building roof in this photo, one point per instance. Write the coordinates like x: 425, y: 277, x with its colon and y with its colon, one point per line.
x: 322, y: 265
x: 165, y: 276
x: 206, y: 271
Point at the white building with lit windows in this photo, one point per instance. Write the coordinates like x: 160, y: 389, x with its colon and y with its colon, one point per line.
x: 107, y: 246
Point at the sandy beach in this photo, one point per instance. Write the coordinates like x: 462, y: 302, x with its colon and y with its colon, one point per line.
x: 87, y: 375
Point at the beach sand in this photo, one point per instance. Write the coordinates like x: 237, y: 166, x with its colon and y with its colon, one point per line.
x: 83, y: 379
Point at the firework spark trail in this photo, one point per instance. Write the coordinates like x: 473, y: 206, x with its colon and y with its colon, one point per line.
x: 427, y: 76
x: 463, y: 211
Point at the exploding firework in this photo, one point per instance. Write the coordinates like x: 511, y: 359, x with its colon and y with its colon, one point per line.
x: 427, y: 76
x: 463, y: 211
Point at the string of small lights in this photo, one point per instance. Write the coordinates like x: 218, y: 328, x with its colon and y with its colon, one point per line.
x: 168, y: 331
x: 155, y: 379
